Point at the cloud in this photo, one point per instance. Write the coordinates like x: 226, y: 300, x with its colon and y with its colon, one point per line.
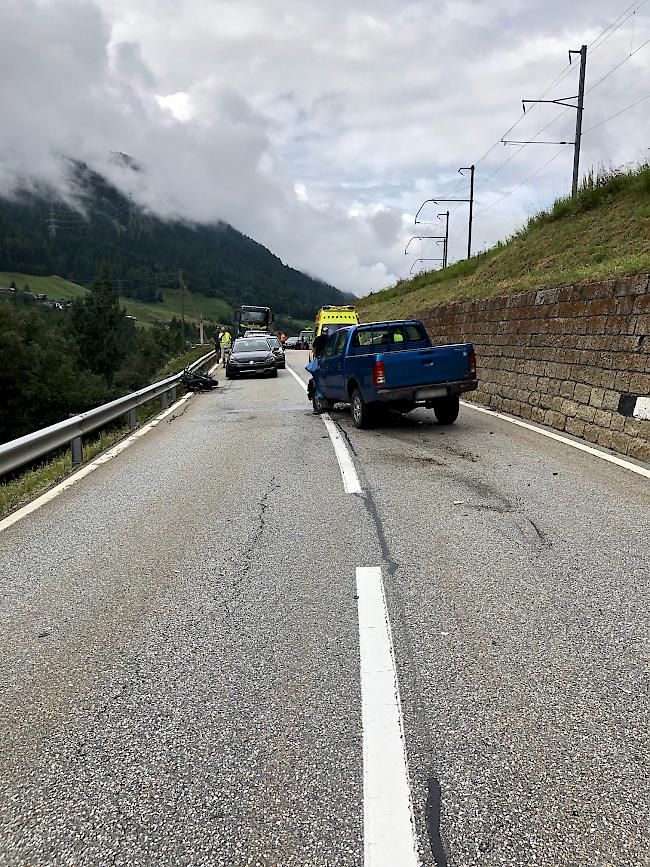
x: 313, y: 127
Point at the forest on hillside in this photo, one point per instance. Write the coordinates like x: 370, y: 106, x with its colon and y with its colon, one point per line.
x: 41, y: 235
x: 56, y: 363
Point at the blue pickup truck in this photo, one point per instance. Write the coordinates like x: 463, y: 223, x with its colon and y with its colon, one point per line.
x: 392, y: 365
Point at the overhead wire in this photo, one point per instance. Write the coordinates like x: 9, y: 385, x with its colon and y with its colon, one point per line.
x: 594, y: 46
x: 597, y: 43
x: 612, y: 116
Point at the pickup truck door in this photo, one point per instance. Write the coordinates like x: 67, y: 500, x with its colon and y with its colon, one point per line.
x: 335, y: 378
x: 324, y: 373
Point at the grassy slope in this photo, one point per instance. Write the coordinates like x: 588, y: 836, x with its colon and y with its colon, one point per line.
x: 56, y: 287
x: 604, y: 234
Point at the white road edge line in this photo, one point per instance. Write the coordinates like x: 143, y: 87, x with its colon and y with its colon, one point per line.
x: 349, y: 475
x: 620, y: 462
x: 389, y: 837
x: 89, y: 468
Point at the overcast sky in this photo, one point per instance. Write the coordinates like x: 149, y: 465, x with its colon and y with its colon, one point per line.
x: 318, y: 128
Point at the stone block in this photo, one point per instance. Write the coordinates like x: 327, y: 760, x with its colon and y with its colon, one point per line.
x: 640, y: 304
x: 555, y: 419
x: 640, y: 449
x: 582, y: 393
x: 602, y: 418
x: 591, y: 433
x: 642, y: 326
x: 586, y: 413
x: 640, y: 383
x: 538, y: 414
x: 567, y: 387
x: 610, y: 399
x: 605, y: 439
x: 574, y: 426
x: 597, y: 396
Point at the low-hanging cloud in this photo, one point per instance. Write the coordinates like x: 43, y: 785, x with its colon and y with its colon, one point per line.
x: 314, y: 128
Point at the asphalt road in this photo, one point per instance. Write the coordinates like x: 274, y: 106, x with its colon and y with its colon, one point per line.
x: 179, y: 645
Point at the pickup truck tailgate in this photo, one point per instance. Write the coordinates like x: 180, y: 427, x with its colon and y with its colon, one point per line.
x: 413, y: 367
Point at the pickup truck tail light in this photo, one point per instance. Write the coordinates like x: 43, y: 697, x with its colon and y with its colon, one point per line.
x: 471, y: 371
x: 378, y: 374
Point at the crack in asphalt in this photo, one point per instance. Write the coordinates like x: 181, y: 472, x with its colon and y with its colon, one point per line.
x: 432, y: 815
x: 236, y: 586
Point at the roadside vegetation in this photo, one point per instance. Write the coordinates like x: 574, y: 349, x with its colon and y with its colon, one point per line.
x: 602, y: 234
x: 56, y: 363
x: 24, y: 486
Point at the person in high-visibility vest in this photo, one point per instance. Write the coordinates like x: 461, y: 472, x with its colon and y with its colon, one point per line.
x: 225, y: 340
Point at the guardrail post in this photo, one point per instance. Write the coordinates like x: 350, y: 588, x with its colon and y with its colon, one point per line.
x: 132, y: 418
x: 77, y: 452
x: 172, y: 394
x: 164, y: 400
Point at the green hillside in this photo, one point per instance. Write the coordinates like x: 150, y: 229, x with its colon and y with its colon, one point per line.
x: 54, y: 287
x: 195, y: 303
x: 604, y: 233
x: 41, y: 234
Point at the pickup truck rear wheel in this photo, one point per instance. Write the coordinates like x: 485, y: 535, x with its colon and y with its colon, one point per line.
x: 361, y: 413
x: 446, y: 409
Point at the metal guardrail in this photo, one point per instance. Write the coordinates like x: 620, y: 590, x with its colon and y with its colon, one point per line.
x: 40, y: 443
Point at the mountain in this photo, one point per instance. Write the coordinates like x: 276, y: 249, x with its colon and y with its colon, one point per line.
x: 43, y: 235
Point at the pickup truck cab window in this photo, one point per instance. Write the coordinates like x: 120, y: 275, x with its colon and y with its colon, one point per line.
x: 382, y: 337
x: 339, y: 343
x: 328, y: 351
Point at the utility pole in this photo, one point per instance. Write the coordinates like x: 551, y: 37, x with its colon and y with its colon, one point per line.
x: 471, y: 207
x: 51, y: 223
x: 470, y: 169
x: 445, y: 248
x: 567, y: 103
x: 201, y: 329
x: 180, y: 285
x: 580, y: 106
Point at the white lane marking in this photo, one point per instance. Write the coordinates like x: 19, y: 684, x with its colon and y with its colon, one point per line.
x: 348, y: 472
x: 297, y: 378
x: 389, y: 837
x: 349, y: 475
x: 620, y: 462
x: 86, y: 470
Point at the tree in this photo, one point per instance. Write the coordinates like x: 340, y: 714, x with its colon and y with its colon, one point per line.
x: 100, y: 327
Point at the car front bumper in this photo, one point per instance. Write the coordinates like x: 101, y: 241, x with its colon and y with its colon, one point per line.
x: 255, y: 367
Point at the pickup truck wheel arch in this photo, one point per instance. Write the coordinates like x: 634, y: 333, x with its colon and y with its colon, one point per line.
x: 352, y: 384
x: 361, y: 412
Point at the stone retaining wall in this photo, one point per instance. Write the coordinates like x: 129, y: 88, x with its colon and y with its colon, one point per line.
x: 576, y: 358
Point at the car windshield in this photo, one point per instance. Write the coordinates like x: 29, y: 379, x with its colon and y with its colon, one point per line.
x: 274, y: 342
x: 251, y: 344
x: 255, y: 316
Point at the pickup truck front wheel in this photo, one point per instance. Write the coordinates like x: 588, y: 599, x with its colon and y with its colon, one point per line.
x: 361, y: 413
x: 446, y: 409
x: 320, y: 404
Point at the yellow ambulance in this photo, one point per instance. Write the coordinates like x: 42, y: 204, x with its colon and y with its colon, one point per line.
x: 335, y: 318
